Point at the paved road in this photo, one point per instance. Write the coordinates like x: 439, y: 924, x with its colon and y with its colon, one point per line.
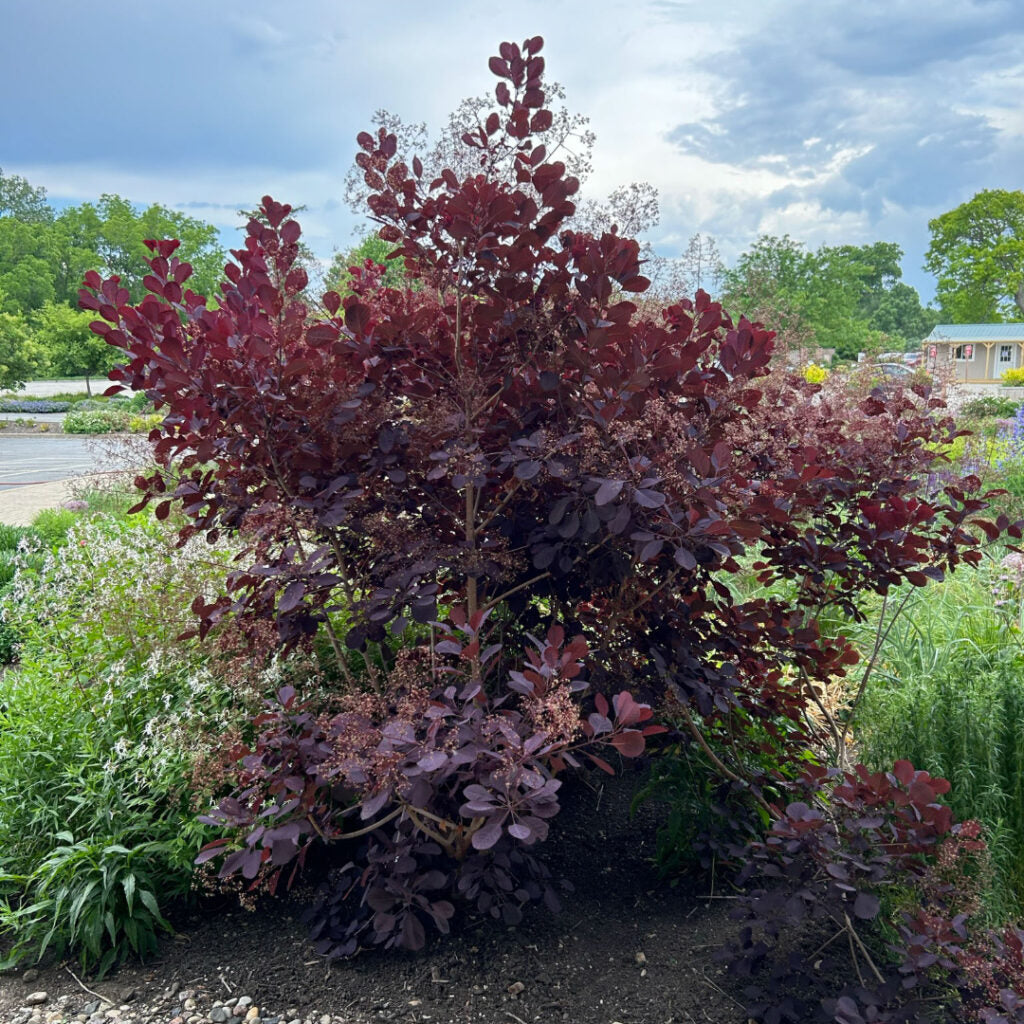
x: 38, y: 458
x: 35, y: 417
x: 49, y: 388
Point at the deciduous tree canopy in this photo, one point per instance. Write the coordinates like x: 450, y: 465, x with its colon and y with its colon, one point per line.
x: 977, y: 256
x: 845, y: 297
x: 44, y: 256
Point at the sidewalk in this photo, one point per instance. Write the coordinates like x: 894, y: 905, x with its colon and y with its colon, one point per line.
x: 19, y: 505
x: 66, y: 385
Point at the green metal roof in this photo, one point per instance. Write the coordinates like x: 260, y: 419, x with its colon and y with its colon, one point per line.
x: 977, y: 332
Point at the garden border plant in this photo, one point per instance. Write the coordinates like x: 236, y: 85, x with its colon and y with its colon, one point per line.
x: 510, y: 450
x: 104, y: 721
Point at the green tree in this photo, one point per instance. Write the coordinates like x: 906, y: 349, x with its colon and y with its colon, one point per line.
x: 74, y: 249
x: 849, y: 298
x: 977, y: 257
x: 898, y: 313
x: 23, y: 201
x: 372, y: 247
x: 885, y: 303
x: 20, y: 357
x: 795, y: 291
x: 122, y: 235
x: 26, y: 276
x: 71, y: 348
x: 43, y: 258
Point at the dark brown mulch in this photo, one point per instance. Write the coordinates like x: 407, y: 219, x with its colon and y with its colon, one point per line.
x: 627, y: 948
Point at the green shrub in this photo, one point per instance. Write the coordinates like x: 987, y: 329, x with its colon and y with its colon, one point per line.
x: 15, y: 544
x: 699, y: 802
x: 11, y: 536
x: 73, y: 397
x: 110, y: 497
x: 96, y: 420
x: 8, y: 567
x: 112, y: 416
x: 101, y: 726
x: 97, y: 896
x: 144, y: 424
x: 990, y: 406
x: 51, y: 526
x: 948, y: 695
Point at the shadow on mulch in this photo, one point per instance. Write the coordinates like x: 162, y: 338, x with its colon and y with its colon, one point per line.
x: 627, y: 948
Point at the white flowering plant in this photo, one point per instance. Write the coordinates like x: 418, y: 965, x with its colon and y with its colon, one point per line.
x: 105, y: 722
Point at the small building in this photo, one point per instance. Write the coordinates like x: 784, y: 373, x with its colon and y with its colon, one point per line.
x: 974, y: 354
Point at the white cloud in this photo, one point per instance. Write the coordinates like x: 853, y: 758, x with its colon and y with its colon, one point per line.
x: 820, y: 118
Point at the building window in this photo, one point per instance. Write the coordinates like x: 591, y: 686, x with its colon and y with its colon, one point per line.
x: 1005, y: 355
x: 964, y: 353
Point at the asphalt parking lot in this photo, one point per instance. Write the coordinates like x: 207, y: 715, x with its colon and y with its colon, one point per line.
x: 38, y: 458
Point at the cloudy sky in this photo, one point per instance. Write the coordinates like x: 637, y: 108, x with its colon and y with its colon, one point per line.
x: 834, y: 121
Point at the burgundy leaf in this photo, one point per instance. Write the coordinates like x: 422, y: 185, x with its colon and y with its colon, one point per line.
x: 608, y: 491
x: 486, y: 836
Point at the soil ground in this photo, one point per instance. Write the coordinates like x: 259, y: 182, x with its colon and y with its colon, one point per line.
x: 627, y: 948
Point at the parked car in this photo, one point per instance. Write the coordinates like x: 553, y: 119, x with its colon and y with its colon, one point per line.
x: 898, y: 371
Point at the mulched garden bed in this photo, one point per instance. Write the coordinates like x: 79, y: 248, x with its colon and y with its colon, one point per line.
x: 628, y: 948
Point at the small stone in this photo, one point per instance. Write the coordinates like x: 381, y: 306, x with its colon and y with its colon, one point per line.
x: 415, y: 1002
x: 219, y: 1014
x: 37, y: 998
x: 91, y: 1007
x: 30, y: 975
x: 641, y: 960
x: 325, y: 1019
x: 244, y: 1001
x: 515, y: 988
x: 254, y: 1012
x: 189, y: 1004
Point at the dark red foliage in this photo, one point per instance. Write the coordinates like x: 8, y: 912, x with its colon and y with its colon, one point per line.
x: 449, y: 782
x: 993, y: 969
x: 513, y: 437
x: 833, y: 858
